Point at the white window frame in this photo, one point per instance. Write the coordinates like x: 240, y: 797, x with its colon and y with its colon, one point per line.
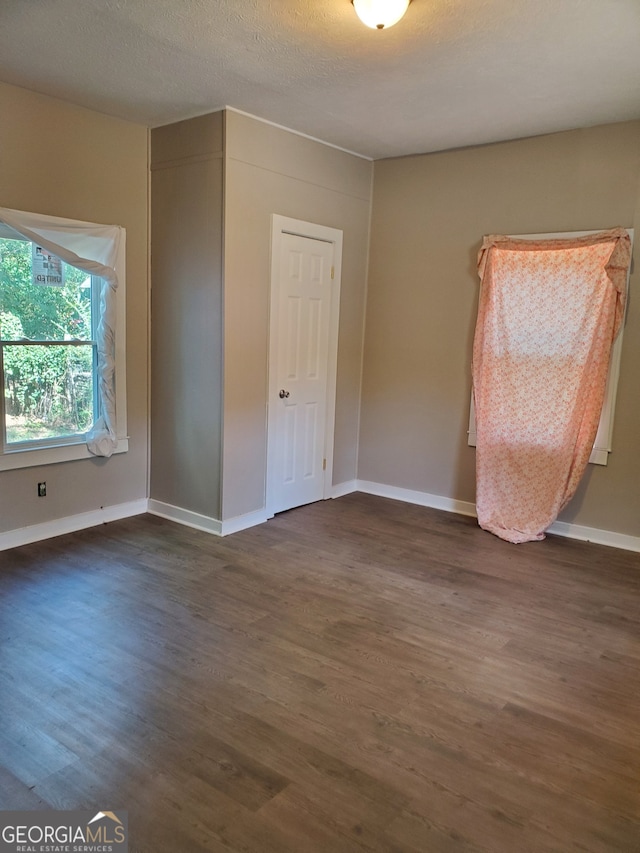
x: 68, y: 449
x: 602, y: 445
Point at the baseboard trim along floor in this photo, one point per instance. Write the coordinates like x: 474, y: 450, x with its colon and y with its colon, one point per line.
x: 69, y: 524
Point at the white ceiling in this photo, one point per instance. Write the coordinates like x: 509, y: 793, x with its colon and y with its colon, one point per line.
x: 451, y: 73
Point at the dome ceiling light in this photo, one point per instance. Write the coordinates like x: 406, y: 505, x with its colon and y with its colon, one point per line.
x: 380, y: 14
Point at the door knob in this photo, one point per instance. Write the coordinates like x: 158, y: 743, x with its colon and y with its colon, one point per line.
x: 283, y: 394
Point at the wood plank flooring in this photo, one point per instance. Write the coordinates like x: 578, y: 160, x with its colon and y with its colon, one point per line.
x: 355, y: 675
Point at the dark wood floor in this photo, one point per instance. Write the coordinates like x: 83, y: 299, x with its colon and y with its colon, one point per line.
x: 356, y: 675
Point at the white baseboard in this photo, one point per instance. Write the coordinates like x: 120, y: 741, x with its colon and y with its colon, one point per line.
x: 71, y: 523
x: 420, y: 498
x: 185, y: 516
x: 344, y: 488
x: 595, y: 535
x: 559, y: 528
x: 205, y: 522
x: 242, y: 522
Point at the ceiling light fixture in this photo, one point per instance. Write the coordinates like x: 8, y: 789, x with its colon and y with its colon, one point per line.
x: 380, y: 14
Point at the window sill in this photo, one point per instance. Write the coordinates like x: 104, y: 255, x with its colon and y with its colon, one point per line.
x: 50, y: 455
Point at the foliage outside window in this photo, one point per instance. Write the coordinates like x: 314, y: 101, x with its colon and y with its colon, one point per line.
x: 48, y: 350
x: 62, y: 339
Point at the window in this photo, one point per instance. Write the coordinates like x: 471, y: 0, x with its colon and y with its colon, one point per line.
x: 603, y: 443
x: 61, y: 340
x: 48, y: 351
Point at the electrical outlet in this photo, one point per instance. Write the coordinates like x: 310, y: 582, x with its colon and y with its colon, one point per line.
x: 42, y: 490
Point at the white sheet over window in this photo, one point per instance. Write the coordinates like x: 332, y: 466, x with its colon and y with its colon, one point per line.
x: 97, y: 250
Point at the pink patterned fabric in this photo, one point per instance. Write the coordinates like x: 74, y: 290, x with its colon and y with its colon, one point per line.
x: 548, y: 315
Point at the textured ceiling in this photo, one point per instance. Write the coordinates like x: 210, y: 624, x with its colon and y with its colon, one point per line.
x: 451, y: 73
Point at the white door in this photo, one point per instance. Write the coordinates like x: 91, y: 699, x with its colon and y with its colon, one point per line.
x: 298, y: 386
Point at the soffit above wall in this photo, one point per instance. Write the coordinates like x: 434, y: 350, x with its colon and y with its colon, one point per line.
x: 451, y: 73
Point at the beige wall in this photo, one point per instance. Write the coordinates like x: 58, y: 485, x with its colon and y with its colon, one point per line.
x: 429, y: 215
x: 269, y: 170
x: 66, y: 161
x: 186, y: 334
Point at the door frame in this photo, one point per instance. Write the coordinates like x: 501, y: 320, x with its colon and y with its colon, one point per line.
x: 300, y: 228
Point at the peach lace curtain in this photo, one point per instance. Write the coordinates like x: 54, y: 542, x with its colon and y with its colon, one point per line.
x: 548, y: 315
